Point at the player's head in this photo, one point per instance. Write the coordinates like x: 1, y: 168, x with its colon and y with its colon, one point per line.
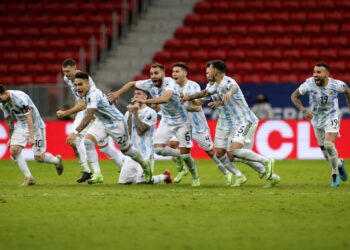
x: 4, y: 94
x: 216, y: 68
x: 81, y: 83
x: 321, y: 73
x: 157, y: 74
x: 140, y: 93
x: 180, y: 70
x: 69, y: 68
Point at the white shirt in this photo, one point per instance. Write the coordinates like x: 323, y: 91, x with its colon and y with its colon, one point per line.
x: 323, y: 101
x: 145, y: 143
x: 106, y: 112
x: 197, y: 119
x: 19, y: 106
x: 173, y: 113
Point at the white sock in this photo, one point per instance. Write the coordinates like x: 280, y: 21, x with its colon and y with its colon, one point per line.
x: 273, y: 176
x: 167, y: 151
x: 249, y: 155
x: 257, y: 166
x: 190, y: 164
x: 49, y: 158
x: 114, y: 155
x: 136, y: 156
x: 220, y: 165
x: 81, y: 150
x: 92, y: 156
x: 158, y: 178
x: 230, y: 166
x: 332, y: 156
x: 22, y: 165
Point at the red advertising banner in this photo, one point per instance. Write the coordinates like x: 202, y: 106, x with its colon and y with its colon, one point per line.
x: 281, y: 139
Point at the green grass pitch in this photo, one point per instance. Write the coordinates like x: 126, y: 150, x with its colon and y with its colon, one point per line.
x: 303, y: 212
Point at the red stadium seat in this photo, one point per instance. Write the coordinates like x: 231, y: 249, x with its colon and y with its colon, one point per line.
x: 301, y: 42
x: 263, y: 67
x: 244, y: 67
x: 281, y: 67
x: 254, y: 54
x: 310, y: 54
x: 291, y: 54
x: 173, y: 44
x: 251, y: 78
x: 270, y: 78
x: 273, y: 54
x: 289, y: 78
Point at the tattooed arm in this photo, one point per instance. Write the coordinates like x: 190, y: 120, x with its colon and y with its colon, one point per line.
x: 86, y: 120
x: 141, y: 127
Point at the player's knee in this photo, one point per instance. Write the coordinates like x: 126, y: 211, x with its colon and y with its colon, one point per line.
x: 14, y: 151
x: 220, y: 153
x: 39, y: 158
x: 235, y: 152
x: 89, y: 144
x: 328, y: 145
x: 76, y: 142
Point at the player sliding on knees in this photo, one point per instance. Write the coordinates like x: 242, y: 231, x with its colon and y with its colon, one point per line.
x: 226, y: 92
x: 112, y: 119
x: 141, y: 122
x: 25, y: 127
x: 324, y: 114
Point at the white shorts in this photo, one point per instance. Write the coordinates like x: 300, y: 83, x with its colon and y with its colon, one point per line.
x: 119, y: 135
x: 132, y: 172
x: 183, y: 132
x: 245, y: 134
x: 204, y: 140
x: 329, y: 128
x: 20, y: 137
x: 223, y: 138
x: 99, y: 132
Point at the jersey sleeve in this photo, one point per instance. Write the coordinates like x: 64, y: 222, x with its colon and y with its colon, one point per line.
x: 126, y: 116
x: 150, y: 117
x: 91, y: 101
x: 304, y: 88
x: 23, y: 104
x: 6, y: 114
x: 341, y: 86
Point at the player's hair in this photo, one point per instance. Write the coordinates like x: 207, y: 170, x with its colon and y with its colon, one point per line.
x: 324, y: 65
x: 144, y: 91
x: 2, y: 89
x: 82, y: 75
x: 207, y: 65
x: 181, y: 65
x: 158, y: 65
x: 219, y: 65
x: 69, y: 62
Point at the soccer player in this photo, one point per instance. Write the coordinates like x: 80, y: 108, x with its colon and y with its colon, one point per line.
x: 113, y: 121
x: 324, y: 114
x: 174, y: 122
x: 25, y: 127
x: 226, y: 92
x: 69, y: 68
x: 141, y: 122
x: 200, y: 128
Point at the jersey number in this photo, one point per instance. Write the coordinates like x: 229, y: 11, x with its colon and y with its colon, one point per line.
x: 39, y: 143
x: 324, y: 99
x: 188, y: 136
x: 121, y: 139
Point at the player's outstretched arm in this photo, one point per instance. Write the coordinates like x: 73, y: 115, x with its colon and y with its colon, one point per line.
x: 79, y: 106
x: 295, y: 97
x: 158, y: 100
x: 347, y: 95
x: 201, y: 94
x: 116, y: 94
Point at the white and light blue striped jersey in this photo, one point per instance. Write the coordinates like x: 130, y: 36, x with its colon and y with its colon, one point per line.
x: 237, y: 105
x: 19, y: 106
x: 323, y: 101
x: 173, y: 113
x: 225, y: 121
x: 106, y: 112
x: 145, y: 143
x: 197, y: 119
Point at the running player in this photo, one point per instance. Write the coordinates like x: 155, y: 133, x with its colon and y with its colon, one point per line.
x: 324, y: 114
x: 25, y: 127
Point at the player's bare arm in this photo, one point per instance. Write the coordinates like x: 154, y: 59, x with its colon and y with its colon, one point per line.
x: 141, y: 127
x: 116, y: 95
x: 156, y: 107
x: 193, y: 107
x: 30, y: 128
x: 86, y: 120
x: 295, y: 97
x: 347, y: 95
x: 11, y: 127
x: 158, y: 100
x: 216, y: 104
x: 226, y: 97
x: 198, y: 95
x: 79, y: 106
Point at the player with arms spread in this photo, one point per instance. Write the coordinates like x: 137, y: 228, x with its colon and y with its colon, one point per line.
x: 324, y: 114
